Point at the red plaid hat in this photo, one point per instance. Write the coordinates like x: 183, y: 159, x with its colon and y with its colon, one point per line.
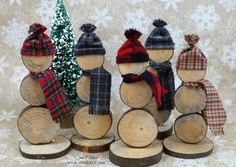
x: 37, y: 43
x: 132, y: 50
x: 191, y: 58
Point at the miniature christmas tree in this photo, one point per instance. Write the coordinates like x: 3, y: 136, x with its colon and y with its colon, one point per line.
x: 64, y: 63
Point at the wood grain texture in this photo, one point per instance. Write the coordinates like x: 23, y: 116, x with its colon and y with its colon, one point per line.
x: 160, y: 55
x: 83, y: 88
x: 191, y: 75
x: 125, y: 156
x: 132, y: 68
x: 90, y: 62
x: 165, y: 130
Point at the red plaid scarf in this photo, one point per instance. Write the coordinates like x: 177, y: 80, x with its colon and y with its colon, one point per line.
x: 56, y: 99
x: 153, y: 82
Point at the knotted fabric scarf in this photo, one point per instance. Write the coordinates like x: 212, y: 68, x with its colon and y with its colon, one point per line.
x: 166, y: 77
x: 151, y: 80
x: 56, y: 100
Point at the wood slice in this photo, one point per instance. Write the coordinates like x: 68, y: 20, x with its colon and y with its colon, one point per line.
x: 83, y: 88
x: 31, y: 91
x: 36, y: 125
x: 125, y: 156
x: 57, y: 148
x: 160, y: 116
x: 165, y: 130
x: 91, y: 126
x: 137, y: 128
x: 92, y: 146
x: 177, y: 148
x: 132, y: 68
x: 90, y: 62
x: 190, y: 99
x: 136, y: 94
x: 160, y: 55
x: 37, y: 64
x: 190, y: 128
x: 191, y: 75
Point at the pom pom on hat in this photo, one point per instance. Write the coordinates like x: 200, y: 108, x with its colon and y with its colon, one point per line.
x: 192, y: 39
x: 37, y: 28
x: 87, y: 28
x: 159, y: 23
x: 132, y: 34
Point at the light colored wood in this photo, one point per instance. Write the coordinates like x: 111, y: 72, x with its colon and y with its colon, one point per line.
x: 123, y: 155
x: 160, y: 55
x: 136, y: 94
x: 137, y: 128
x: 36, y: 125
x: 191, y: 75
x: 92, y: 146
x: 132, y: 68
x: 177, y: 148
x: 90, y: 62
x: 165, y: 130
x: 160, y: 116
x: 190, y: 99
x: 91, y: 126
x: 31, y: 91
x: 57, y: 148
x: 37, y: 64
x: 190, y: 128
x: 83, y: 88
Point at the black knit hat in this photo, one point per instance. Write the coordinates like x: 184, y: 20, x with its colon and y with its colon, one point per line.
x: 160, y: 37
x: 89, y: 42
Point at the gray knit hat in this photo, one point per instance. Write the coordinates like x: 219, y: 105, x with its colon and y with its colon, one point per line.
x: 160, y: 37
x: 89, y: 42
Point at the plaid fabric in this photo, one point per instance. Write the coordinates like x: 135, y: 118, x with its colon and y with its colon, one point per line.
x: 160, y: 37
x: 132, y: 50
x: 157, y: 90
x: 100, y: 92
x: 191, y: 58
x: 214, y: 112
x: 57, y: 102
x: 89, y: 42
x: 38, y: 43
x: 166, y: 77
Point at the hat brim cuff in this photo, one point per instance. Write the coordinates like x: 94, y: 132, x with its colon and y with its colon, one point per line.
x: 132, y: 59
x: 30, y: 53
x: 160, y: 47
x: 89, y: 51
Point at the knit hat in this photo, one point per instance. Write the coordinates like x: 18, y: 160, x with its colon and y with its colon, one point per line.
x: 160, y: 37
x: 191, y: 58
x: 89, y: 42
x: 132, y: 50
x: 37, y: 43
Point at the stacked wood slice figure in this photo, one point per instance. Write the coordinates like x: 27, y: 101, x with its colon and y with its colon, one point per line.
x: 92, y: 126
x: 137, y: 128
x: 35, y: 122
x: 190, y: 99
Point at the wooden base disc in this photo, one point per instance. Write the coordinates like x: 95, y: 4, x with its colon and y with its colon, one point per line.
x: 176, y: 148
x: 132, y: 68
x: 57, y: 148
x: 90, y: 62
x: 83, y: 88
x: 92, y: 146
x: 31, y: 91
x: 135, y: 95
x: 91, y: 126
x: 160, y: 55
x: 191, y: 75
x: 190, y: 99
x: 125, y: 156
x: 137, y: 128
x: 165, y: 130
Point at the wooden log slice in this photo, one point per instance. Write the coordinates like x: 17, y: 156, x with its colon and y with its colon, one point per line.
x: 57, y: 148
x: 90, y: 62
x: 31, y: 91
x: 137, y: 128
x: 136, y: 94
x: 92, y: 146
x: 83, y: 88
x: 37, y: 64
x: 191, y: 75
x: 160, y: 116
x: 132, y: 68
x: 177, y: 148
x: 190, y: 128
x: 125, y: 156
x: 165, y: 130
x: 190, y: 99
x: 36, y: 125
x: 91, y: 126
x: 160, y: 55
